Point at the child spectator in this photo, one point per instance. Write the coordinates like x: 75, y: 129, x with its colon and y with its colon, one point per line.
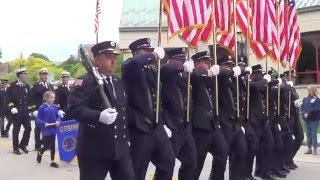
x: 48, y: 120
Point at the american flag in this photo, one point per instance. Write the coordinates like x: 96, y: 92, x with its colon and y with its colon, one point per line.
x: 199, y: 14
x: 96, y: 20
x: 293, y: 33
x: 173, y: 10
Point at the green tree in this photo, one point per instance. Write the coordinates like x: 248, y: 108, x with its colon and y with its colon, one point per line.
x: 33, y: 65
x: 69, y: 63
x: 0, y: 54
x: 39, y: 55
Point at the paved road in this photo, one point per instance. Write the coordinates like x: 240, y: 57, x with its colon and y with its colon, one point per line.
x: 13, y: 167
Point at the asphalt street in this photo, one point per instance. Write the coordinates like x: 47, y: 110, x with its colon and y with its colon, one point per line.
x: 25, y: 167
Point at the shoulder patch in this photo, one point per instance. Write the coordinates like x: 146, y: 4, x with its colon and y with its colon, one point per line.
x: 78, y: 82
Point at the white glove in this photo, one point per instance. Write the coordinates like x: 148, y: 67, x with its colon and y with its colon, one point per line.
x: 189, y: 66
x: 267, y: 77
x: 306, y: 115
x: 215, y: 69
x: 160, y: 52
x: 313, y: 100
x: 61, y: 113
x: 14, y: 110
x: 237, y: 71
x: 280, y: 81
x: 290, y: 83
x: 297, y: 103
x: 243, y: 130
x: 168, y: 131
x: 248, y: 69
x: 108, y: 116
x: 35, y: 113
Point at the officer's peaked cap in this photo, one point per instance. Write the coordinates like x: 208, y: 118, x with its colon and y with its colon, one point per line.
x: 176, y: 52
x: 256, y: 68
x: 106, y: 47
x: 201, y: 55
x: 143, y: 43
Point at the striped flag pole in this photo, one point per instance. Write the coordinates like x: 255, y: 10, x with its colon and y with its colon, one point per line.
x: 248, y: 52
x: 236, y: 52
x: 158, y: 64
x: 96, y: 21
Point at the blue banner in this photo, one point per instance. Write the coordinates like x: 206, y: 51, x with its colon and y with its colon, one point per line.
x: 67, y: 134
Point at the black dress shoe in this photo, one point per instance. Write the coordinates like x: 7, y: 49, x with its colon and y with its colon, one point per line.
x: 17, y: 152
x: 285, y: 169
x: 39, y: 157
x: 279, y: 174
x: 37, y: 149
x: 55, y: 165
x: 291, y: 166
x: 24, y: 149
x: 5, y: 135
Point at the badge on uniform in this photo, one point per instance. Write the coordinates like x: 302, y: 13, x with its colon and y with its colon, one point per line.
x: 78, y: 82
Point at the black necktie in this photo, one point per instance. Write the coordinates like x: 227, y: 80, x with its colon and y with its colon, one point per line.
x: 110, y: 87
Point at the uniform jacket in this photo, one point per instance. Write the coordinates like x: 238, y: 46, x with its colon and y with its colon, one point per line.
x: 96, y: 139
x: 258, y: 103
x: 3, y: 101
x: 174, y: 96
x: 37, y: 91
x: 204, y: 102
x: 140, y: 81
x: 313, y: 109
x: 19, y: 96
x: 62, y: 97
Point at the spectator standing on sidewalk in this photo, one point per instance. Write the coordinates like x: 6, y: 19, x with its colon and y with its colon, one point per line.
x: 310, y: 111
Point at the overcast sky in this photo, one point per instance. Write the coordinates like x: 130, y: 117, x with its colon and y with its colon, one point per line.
x: 54, y: 28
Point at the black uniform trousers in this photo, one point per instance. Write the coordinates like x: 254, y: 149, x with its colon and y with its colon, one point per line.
x: 18, y: 120
x: 184, y: 147
x: 155, y: 147
x: 298, y: 139
x: 252, y: 146
x: 49, y: 142
x: 92, y: 168
x: 5, y: 129
x: 214, y: 143
x: 277, y: 151
x: 237, y: 147
x: 37, y: 136
x: 265, y: 143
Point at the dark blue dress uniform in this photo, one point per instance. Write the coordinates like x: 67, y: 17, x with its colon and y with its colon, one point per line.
x: 101, y: 148
x: 37, y: 91
x: 4, y: 111
x: 174, y: 102
x: 295, y: 124
x: 260, y: 124
x: 205, y: 124
x: 19, y: 97
x: 62, y: 98
x: 230, y: 125
x: 149, y: 141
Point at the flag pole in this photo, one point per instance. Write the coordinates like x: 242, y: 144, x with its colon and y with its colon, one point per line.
x: 97, y: 37
x: 290, y: 93
x: 278, y: 37
x: 248, y: 52
x: 188, y: 88
x: 236, y: 53
x: 214, y: 50
x: 158, y: 65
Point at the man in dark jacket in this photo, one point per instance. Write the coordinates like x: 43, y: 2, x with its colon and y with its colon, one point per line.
x: 103, y: 138
x: 4, y: 111
x: 149, y: 141
x: 205, y: 122
x: 37, y: 91
x: 20, y: 107
x: 62, y: 94
x: 174, y: 95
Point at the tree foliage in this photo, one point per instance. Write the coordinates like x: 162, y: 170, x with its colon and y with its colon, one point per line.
x: 33, y: 65
x: 41, y: 56
x: 0, y: 54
